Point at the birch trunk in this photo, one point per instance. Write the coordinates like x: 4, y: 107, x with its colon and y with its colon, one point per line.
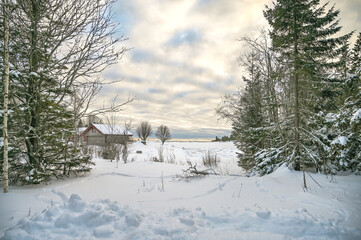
x: 6, y: 92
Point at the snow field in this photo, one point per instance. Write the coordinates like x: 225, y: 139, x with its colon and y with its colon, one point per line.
x: 128, y: 202
x: 78, y: 219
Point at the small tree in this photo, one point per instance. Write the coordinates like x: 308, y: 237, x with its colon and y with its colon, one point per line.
x: 144, y: 130
x: 163, y: 133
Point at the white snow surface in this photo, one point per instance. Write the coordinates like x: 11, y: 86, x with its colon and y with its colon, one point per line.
x: 356, y: 117
x: 80, y: 130
x: 128, y: 202
x: 341, y: 140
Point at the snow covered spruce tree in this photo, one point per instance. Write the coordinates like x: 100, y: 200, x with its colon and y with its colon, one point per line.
x: 254, y: 111
x: 248, y: 117
x: 301, y: 32
x: 282, y: 115
x: 355, y: 57
x: 344, y: 124
x: 55, y: 47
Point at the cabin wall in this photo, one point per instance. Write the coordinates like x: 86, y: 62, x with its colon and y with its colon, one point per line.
x: 102, y: 140
x: 96, y: 140
x: 117, y: 139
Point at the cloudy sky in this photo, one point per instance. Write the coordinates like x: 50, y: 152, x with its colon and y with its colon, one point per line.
x: 183, y: 59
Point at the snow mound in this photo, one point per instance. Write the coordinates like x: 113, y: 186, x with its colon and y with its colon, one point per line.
x: 105, y: 219
x: 281, y: 171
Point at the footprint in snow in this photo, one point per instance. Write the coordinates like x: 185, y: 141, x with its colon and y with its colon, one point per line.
x: 264, y: 214
x: 188, y: 222
x: 260, y: 185
x: 133, y: 220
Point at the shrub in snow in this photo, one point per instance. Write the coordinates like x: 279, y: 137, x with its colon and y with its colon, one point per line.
x: 170, y: 157
x: 193, y: 173
x: 112, y: 151
x: 210, y: 160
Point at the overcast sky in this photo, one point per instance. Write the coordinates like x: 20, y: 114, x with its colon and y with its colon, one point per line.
x: 184, y: 59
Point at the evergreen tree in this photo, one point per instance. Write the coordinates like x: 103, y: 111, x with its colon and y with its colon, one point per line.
x: 55, y: 46
x: 301, y: 33
x: 248, y: 127
x: 254, y: 111
x: 300, y: 105
x: 356, y: 57
x: 345, y: 122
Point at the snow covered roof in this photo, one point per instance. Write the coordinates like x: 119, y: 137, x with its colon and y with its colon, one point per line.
x: 110, y: 130
x: 80, y: 130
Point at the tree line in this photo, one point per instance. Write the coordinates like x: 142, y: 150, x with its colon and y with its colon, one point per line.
x: 301, y: 104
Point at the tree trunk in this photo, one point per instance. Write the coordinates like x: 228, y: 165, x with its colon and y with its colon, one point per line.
x: 33, y: 99
x: 297, y: 106
x: 296, y: 92
x: 6, y: 92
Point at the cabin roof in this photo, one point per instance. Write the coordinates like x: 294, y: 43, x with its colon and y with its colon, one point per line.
x: 108, y: 130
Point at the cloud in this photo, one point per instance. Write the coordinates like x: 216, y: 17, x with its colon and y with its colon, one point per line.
x: 141, y: 56
x: 188, y: 36
x: 184, y: 59
x: 350, y: 16
x: 155, y: 90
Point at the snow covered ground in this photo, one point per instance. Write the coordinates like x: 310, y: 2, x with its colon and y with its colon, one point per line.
x: 146, y: 200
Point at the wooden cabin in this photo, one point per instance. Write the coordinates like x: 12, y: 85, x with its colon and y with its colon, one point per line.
x: 101, y: 135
